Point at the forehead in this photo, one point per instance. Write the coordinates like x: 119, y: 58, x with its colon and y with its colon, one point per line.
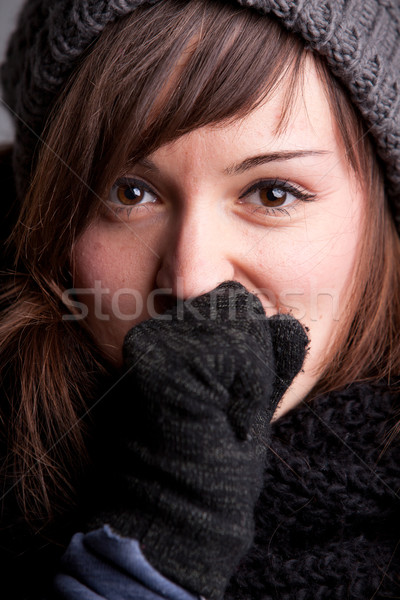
x: 308, y: 125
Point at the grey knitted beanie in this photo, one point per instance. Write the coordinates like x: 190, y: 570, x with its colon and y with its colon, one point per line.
x: 360, y: 40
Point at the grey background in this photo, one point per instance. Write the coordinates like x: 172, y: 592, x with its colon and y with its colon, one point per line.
x: 8, y: 14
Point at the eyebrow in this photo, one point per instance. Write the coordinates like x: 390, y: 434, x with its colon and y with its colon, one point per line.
x: 149, y: 164
x: 250, y: 163
x: 262, y: 159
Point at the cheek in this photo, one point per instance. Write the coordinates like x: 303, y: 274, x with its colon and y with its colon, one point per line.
x: 97, y: 257
x: 112, y: 280
x: 308, y: 272
x: 113, y: 261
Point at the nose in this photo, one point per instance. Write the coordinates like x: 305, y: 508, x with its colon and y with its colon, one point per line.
x: 197, y: 256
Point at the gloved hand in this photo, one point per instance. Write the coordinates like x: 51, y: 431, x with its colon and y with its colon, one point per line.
x: 192, y: 429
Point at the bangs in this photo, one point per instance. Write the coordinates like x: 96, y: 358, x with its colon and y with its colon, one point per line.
x: 169, y: 69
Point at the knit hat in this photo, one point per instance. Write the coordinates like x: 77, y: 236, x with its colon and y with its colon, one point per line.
x: 359, y: 39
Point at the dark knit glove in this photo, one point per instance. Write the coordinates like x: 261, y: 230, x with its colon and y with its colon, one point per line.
x: 192, y: 432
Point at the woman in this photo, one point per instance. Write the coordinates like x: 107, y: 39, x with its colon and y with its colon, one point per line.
x: 185, y: 172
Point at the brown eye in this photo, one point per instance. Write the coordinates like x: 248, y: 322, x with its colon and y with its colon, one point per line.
x: 273, y: 197
x: 130, y: 194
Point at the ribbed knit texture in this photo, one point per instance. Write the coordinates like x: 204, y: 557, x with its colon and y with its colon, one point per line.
x: 360, y: 40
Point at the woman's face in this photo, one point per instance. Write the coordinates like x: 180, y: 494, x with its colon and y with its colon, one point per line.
x: 279, y: 212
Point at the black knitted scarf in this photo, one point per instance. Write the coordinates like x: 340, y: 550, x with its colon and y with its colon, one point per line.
x: 328, y: 520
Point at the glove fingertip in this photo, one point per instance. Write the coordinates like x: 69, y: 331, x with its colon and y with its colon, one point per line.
x: 290, y: 343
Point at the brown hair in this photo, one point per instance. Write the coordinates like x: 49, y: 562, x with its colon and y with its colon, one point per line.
x: 366, y: 347
x: 233, y: 59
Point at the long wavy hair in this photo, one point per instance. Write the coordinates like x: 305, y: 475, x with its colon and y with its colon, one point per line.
x: 138, y: 94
